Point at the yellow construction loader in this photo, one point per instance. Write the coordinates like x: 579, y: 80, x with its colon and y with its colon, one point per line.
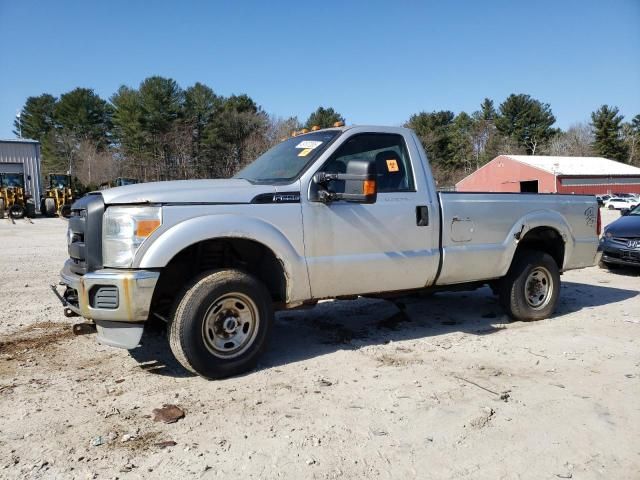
x: 118, y: 182
x: 58, y: 197
x: 13, y: 198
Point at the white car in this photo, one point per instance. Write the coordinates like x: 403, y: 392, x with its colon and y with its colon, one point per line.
x: 618, y: 203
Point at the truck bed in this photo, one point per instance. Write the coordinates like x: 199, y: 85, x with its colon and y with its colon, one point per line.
x: 480, y: 231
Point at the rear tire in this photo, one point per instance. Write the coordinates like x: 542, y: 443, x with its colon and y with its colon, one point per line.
x: 16, y: 211
x: 1, y: 207
x: 531, y: 288
x: 221, y: 324
x: 65, y: 211
x: 49, y: 207
x: 611, y: 207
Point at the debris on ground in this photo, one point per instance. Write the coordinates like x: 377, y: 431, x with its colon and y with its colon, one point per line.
x: 168, y: 414
x: 165, y: 444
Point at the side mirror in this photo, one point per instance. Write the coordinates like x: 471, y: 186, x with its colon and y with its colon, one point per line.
x: 359, y: 184
x: 624, y: 212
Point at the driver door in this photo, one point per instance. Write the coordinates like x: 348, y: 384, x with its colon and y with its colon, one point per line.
x: 354, y: 248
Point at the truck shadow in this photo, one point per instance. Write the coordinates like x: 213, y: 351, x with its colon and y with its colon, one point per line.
x: 349, y: 325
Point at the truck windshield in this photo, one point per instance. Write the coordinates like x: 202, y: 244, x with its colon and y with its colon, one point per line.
x: 285, y: 161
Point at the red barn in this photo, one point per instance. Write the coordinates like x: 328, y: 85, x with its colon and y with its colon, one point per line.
x: 537, y: 173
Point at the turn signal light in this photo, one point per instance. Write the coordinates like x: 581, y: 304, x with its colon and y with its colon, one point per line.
x: 369, y: 187
x: 144, y: 228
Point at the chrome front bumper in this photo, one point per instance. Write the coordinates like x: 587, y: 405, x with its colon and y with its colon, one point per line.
x: 135, y: 290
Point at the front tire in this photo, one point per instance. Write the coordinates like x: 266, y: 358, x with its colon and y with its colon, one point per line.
x: 16, y: 211
x: 531, y: 288
x: 49, y: 207
x: 65, y: 211
x: 221, y: 324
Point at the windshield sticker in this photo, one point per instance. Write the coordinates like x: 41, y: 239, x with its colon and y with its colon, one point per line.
x: 392, y: 166
x: 309, y: 144
x: 305, y: 152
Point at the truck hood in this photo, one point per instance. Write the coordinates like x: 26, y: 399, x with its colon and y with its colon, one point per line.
x: 233, y: 190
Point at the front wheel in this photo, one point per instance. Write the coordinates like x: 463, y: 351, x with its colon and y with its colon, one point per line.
x: 221, y: 324
x: 531, y: 288
x: 65, y: 211
x: 16, y: 211
x: 49, y: 207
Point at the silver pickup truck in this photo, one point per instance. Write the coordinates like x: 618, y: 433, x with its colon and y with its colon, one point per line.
x: 333, y: 213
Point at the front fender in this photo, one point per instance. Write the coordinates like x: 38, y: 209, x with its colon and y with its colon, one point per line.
x: 172, y: 241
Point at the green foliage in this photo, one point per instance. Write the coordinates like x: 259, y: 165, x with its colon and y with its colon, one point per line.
x: 607, y: 130
x: 83, y: 115
x: 526, y: 121
x: 36, y: 118
x: 434, y: 131
x: 324, y: 118
x: 160, y: 131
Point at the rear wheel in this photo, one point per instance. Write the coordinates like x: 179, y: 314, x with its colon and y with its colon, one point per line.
x: 221, y: 324
x: 16, y: 211
x: 611, y: 207
x: 531, y: 288
x: 49, y: 207
x: 1, y: 207
x: 65, y: 211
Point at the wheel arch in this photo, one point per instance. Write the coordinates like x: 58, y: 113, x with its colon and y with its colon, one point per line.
x: 547, y: 231
x: 544, y: 239
x: 226, y: 241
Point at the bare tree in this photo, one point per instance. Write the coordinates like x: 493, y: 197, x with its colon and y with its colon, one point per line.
x: 575, y: 142
x: 93, y: 165
x: 632, y: 139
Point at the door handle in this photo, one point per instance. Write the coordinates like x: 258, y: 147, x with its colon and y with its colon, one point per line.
x: 422, y: 216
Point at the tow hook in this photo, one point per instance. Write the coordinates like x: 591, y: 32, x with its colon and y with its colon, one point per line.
x: 84, y: 328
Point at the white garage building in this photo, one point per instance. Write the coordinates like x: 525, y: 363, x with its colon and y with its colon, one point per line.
x: 22, y: 156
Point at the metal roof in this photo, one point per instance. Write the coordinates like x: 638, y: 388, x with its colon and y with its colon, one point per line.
x: 17, y: 140
x: 576, y: 165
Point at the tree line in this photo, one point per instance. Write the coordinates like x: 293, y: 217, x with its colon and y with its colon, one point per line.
x: 160, y: 131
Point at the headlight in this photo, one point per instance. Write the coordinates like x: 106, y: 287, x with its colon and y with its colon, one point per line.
x: 123, y: 231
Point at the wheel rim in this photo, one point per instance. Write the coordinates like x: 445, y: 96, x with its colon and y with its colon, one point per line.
x: 538, y: 288
x: 16, y: 211
x: 230, y: 325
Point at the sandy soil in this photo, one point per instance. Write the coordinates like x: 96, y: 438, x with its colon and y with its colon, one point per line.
x: 442, y: 387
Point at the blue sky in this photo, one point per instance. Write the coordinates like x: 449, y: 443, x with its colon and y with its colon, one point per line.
x: 376, y: 62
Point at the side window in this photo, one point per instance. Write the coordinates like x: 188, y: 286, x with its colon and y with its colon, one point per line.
x: 389, y: 153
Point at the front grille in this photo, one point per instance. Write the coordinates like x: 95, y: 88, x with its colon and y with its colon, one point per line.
x: 85, y: 234
x: 623, y: 241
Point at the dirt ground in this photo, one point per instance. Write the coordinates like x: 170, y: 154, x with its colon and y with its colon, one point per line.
x: 441, y: 387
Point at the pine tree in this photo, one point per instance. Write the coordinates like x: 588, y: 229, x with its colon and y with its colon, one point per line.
x: 324, y: 118
x: 526, y: 121
x: 607, y: 129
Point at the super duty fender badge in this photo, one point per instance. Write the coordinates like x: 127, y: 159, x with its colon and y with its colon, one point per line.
x: 590, y: 217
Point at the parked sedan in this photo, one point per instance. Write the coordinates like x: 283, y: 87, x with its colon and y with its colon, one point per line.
x: 619, y: 203
x: 620, y: 243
